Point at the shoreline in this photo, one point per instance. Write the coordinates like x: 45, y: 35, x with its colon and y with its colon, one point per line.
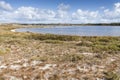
x: 68, y: 34
x: 40, y: 54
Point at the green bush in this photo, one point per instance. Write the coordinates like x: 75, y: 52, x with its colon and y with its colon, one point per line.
x: 52, y: 37
x: 101, y: 44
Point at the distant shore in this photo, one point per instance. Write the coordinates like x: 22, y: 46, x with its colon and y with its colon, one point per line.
x: 65, y: 24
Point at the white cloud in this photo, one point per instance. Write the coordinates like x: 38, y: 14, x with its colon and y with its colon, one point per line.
x: 25, y: 14
x: 99, y: 16
x: 85, y: 16
x: 102, y: 7
x: 61, y: 15
x: 63, y: 7
x: 117, y: 7
x: 31, y: 13
x: 62, y: 12
x: 40, y: 15
x: 112, y: 15
x: 5, y: 6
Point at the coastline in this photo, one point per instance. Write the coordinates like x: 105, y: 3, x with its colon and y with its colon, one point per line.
x: 25, y: 54
x: 74, y: 31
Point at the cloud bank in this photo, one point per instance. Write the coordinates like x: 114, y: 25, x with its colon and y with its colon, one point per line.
x: 5, y: 6
x: 27, y: 14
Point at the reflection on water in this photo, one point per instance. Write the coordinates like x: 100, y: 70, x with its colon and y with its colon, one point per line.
x: 77, y: 30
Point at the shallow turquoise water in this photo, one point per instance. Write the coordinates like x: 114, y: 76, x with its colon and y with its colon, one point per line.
x: 76, y: 30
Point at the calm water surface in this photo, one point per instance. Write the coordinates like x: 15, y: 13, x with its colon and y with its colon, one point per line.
x: 77, y: 30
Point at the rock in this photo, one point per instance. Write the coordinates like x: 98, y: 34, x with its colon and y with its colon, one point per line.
x: 89, y: 54
x: 47, y: 66
x: 3, y: 67
x: 14, y: 78
x: 15, y: 67
x: 25, y: 65
x: 33, y: 63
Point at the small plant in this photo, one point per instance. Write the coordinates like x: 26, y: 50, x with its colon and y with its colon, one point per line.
x: 72, y: 57
x: 85, y: 43
x: 112, y: 76
x: 40, y: 58
x: 54, y: 41
x: 52, y: 37
x: 3, y: 51
x: 54, y: 77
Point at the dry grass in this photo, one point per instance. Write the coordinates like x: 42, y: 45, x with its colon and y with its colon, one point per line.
x: 64, y: 51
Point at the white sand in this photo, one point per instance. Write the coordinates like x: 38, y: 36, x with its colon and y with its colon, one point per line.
x: 13, y: 30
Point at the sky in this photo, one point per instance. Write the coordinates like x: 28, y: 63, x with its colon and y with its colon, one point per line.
x: 59, y: 11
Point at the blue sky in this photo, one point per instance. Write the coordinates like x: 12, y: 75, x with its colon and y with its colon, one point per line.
x: 52, y: 4
x: 60, y: 11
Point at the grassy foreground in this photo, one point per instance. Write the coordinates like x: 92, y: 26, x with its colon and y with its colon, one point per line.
x: 30, y: 56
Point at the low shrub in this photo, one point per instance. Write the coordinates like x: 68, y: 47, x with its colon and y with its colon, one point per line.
x: 111, y: 76
x: 71, y: 57
x: 52, y: 37
x: 54, y: 41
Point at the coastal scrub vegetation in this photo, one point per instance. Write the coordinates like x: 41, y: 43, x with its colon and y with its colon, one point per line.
x: 101, y: 44
x: 92, y: 43
x: 52, y: 37
x: 91, y: 55
x: 112, y: 76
